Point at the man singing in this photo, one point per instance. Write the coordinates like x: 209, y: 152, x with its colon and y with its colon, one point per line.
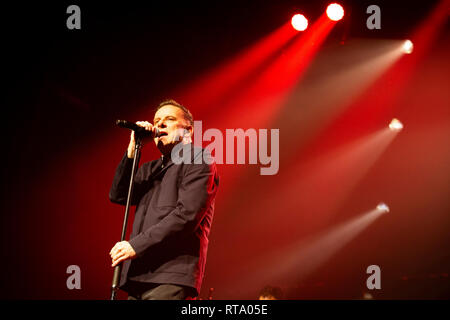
x: 166, y: 255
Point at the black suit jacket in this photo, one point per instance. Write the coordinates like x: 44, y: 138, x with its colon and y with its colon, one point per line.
x: 175, y: 205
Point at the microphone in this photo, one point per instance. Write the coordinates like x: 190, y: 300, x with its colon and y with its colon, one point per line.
x: 137, y: 129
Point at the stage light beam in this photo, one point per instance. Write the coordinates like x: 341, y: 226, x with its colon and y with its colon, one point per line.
x: 299, y: 22
x: 335, y: 12
x: 408, y: 47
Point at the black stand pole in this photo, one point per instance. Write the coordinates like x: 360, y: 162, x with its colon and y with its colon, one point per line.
x: 118, y: 268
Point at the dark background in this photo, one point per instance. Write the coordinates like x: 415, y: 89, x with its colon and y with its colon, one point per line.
x: 63, y: 90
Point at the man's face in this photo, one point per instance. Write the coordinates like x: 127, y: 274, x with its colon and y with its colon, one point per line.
x: 171, y: 123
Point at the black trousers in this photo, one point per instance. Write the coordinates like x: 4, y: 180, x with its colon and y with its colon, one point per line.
x: 156, y: 291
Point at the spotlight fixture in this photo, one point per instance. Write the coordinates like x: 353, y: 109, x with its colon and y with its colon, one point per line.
x: 383, y: 207
x: 408, y: 46
x: 335, y: 12
x: 299, y: 22
x: 395, y: 125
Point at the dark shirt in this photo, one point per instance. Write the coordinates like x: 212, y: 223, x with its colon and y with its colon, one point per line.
x: 175, y: 205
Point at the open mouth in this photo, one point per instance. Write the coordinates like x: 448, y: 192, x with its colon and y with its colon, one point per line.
x: 162, y: 134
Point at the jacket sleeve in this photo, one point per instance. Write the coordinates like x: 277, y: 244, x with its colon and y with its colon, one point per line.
x: 195, y: 194
x: 119, y: 189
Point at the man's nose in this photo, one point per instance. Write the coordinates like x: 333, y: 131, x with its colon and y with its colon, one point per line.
x: 160, y: 124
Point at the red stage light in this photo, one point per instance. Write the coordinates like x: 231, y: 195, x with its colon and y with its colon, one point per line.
x: 299, y: 22
x: 395, y: 125
x: 408, y: 46
x: 383, y: 207
x: 335, y: 12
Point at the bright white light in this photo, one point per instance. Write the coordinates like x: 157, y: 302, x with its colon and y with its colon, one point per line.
x: 335, y: 12
x: 383, y: 207
x: 395, y: 125
x: 299, y: 22
x: 408, y: 46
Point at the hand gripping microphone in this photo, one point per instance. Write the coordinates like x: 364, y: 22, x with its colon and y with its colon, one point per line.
x: 137, y: 129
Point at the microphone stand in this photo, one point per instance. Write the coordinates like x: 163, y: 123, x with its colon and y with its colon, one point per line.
x: 118, y: 268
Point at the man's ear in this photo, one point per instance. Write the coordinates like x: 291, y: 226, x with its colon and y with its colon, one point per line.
x: 190, y: 129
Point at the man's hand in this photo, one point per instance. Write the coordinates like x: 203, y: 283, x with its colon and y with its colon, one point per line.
x: 120, y: 252
x: 149, y: 127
